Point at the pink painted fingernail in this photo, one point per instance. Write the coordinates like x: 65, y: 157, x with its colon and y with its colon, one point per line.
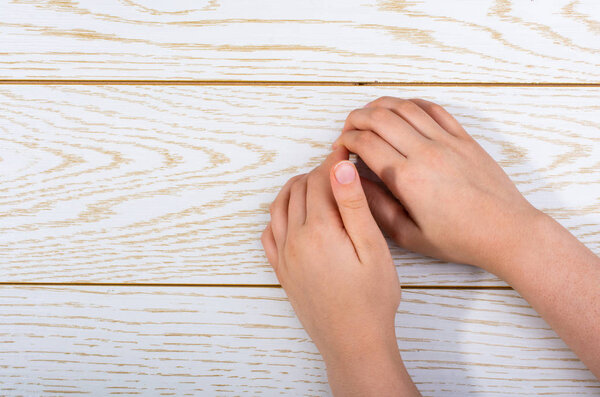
x: 345, y: 172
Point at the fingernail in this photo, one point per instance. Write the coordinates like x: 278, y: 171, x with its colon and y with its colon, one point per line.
x: 345, y: 172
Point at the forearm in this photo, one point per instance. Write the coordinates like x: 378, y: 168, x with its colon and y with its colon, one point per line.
x: 369, y: 369
x: 560, y: 278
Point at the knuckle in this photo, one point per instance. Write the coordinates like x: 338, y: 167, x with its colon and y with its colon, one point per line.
x: 379, y: 114
x: 407, y: 108
x: 429, y: 151
x: 354, y: 202
x: 354, y: 114
x: 281, y: 275
x: 320, y: 233
x: 411, y: 178
x: 272, y: 209
x: 372, y: 245
x: 354, y: 139
x: 313, y: 177
x: 382, y: 100
x: 293, y: 179
x: 289, y: 249
x: 263, y: 238
x: 292, y: 248
x: 436, y: 109
x: 363, y: 138
x: 432, y: 153
x: 295, y: 188
x: 436, y: 158
x: 316, y: 223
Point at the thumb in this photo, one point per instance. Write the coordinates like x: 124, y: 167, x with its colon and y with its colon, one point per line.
x: 354, y: 210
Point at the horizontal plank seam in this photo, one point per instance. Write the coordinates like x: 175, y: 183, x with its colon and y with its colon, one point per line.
x: 82, y: 284
x: 294, y: 83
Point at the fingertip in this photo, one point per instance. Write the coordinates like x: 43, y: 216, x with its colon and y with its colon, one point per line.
x: 344, y: 172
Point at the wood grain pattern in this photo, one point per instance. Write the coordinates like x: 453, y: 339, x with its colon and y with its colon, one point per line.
x: 232, y: 341
x: 172, y: 184
x: 491, y: 40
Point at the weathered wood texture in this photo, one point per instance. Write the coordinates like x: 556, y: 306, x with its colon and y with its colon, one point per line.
x: 172, y: 184
x: 217, y: 341
x: 490, y: 40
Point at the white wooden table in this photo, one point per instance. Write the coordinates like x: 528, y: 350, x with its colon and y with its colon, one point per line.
x: 141, y: 143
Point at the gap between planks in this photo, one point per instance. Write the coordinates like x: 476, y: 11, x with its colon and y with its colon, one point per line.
x: 292, y: 83
x: 75, y: 284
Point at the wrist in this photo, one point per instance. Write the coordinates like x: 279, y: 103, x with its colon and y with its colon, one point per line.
x: 535, y: 248
x: 514, y: 241
x: 355, y: 347
x: 363, y: 339
x: 369, y: 367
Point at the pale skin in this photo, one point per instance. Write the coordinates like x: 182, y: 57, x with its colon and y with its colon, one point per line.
x: 445, y: 198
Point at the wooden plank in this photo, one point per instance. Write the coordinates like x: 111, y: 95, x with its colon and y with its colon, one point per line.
x: 180, y: 341
x: 172, y: 184
x: 500, y: 41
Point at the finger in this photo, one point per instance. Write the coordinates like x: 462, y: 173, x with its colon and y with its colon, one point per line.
x: 320, y: 202
x: 297, y: 204
x: 391, y: 216
x: 279, y: 213
x: 354, y: 210
x: 388, y: 125
x: 269, y: 245
x: 442, y: 117
x: 376, y: 153
x: 413, y: 114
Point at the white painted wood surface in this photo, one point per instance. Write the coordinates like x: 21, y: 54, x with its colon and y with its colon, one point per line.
x: 247, y: 341
x: 172, y: 184
x: 489, y: 40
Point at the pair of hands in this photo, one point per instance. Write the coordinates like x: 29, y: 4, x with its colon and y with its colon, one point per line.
x: 445, y: 197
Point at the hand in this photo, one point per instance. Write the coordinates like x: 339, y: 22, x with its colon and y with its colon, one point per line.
x: 449, y: 199
x: 334, y: 264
